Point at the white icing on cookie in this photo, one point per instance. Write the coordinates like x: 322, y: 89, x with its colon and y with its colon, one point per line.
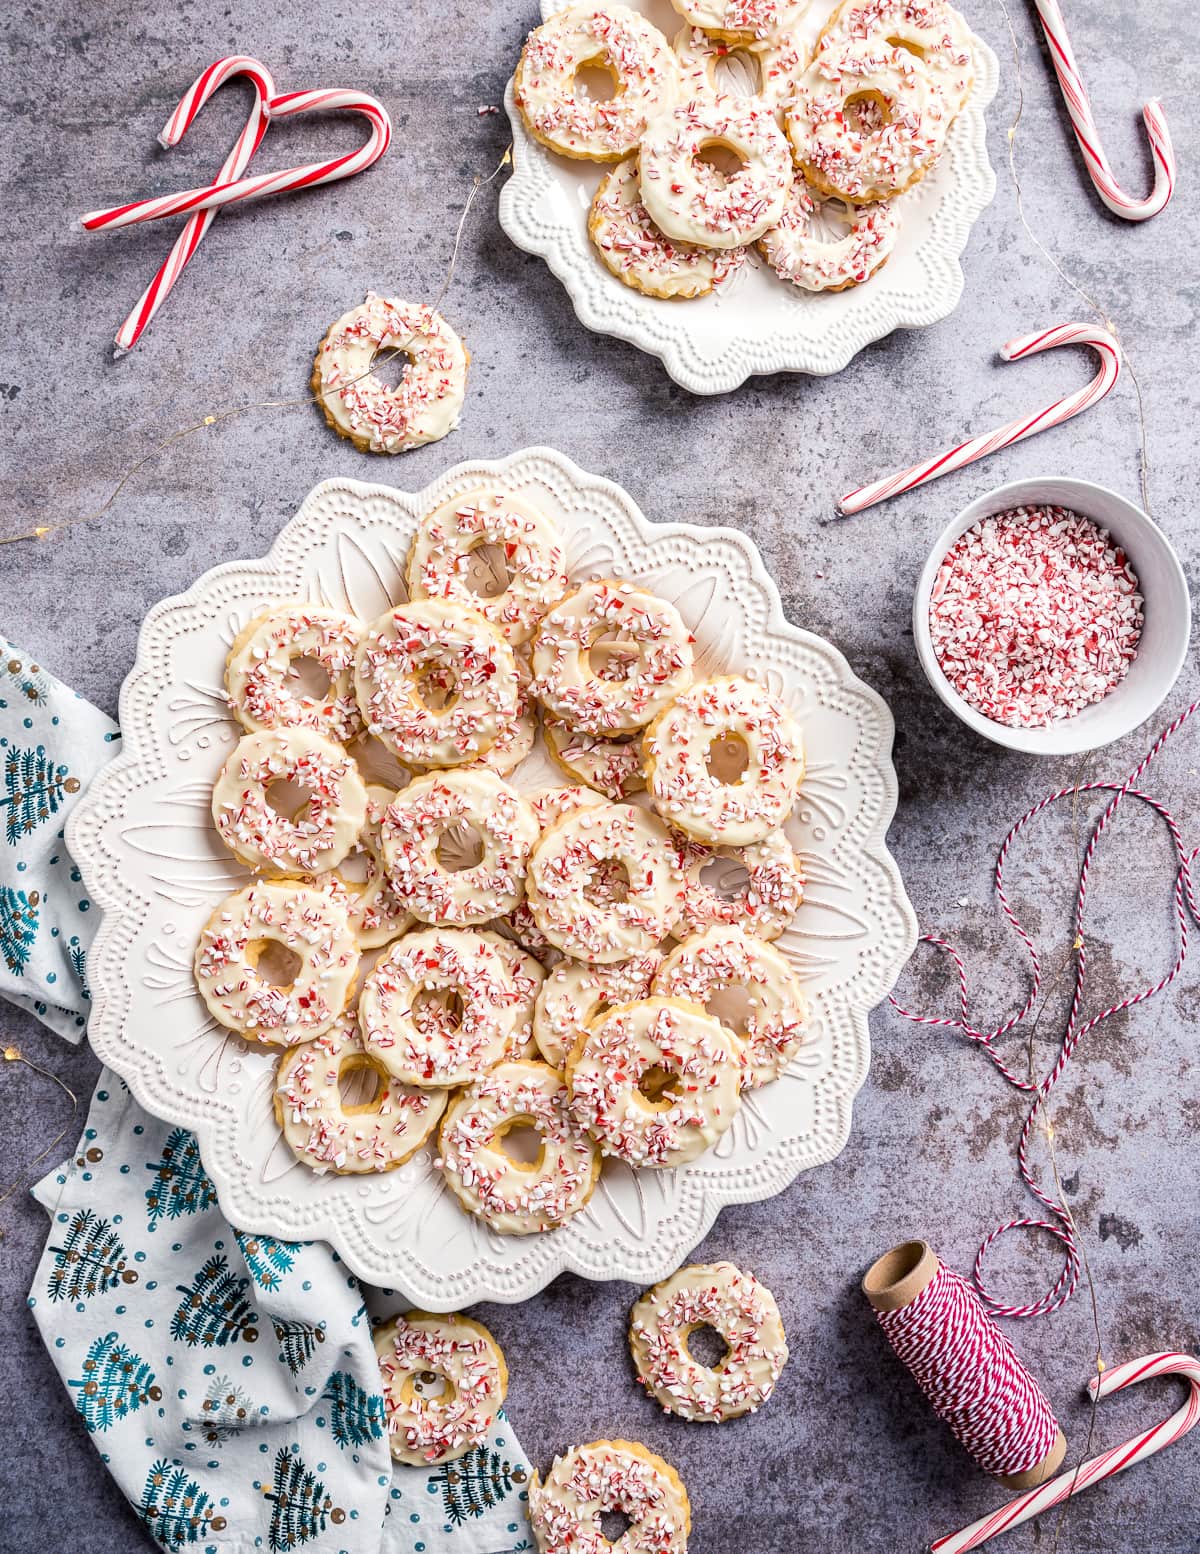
x: 425, y: 1429
x: 777, y: 64
x: 514, y: 1197
x: 742, y: 20
x: 320, y: 832
x: 263, y: 689
x: 798, y: 251
x: 575, y: 993
x: 623, y: 1050
x: 563, y: 116
x: 690, y: 200
x: 426, y: 403
x: 623, y: 1476
x: 932, y: 30
x: 737, y: 1307
x: 612, y: 767
x: 377, y: 915
x: 764, y: 902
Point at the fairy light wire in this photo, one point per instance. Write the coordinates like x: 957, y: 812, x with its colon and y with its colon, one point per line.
x: 13, y: 1054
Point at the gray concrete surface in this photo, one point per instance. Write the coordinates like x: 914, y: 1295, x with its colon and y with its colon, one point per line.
x: 846, y: 1458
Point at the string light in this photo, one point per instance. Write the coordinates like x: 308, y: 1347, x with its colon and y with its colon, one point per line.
x: 15, y: 1055
x: 218, y: 417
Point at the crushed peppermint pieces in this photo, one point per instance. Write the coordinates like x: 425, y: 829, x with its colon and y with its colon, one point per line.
x: 1035, y: 614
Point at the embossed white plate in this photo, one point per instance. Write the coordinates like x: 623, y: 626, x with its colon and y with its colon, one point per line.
x: 149, y: 856
x: 757, y: 323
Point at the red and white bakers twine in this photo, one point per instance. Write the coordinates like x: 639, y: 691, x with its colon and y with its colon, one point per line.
x: 972, y: 1375
x: 1016, y: 431
x: 1186, y: 906
x: 1083, y: 120
x: 230, y: 188
x: 1096, y: 1469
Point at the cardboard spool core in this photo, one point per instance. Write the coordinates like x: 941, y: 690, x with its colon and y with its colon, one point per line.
x: 894, y: 1281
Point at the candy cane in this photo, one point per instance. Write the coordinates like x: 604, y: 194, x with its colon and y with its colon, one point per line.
x: 1079, y: 106
x: 310, y: 176
x: 234, y: 166
x: 1074, y: 1480
x: 1016, y: 431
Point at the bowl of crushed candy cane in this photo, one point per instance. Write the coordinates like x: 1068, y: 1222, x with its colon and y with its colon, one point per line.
x: 1052, y: 616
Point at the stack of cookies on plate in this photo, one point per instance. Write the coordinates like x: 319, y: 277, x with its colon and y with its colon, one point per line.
x: 453, y: 951
x: 840, y: 123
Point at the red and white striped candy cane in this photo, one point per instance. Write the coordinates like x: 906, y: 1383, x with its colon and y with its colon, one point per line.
x: 1087, y: 133
x: 1016, y: 431
x: 234, y: 166
x: 1096, y: 1469
x: 311, y: 176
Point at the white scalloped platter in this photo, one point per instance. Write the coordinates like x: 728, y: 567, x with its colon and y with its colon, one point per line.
x: 144, y: 842
x: 757, y: 323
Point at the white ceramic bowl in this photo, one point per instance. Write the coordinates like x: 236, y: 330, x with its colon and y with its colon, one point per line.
x: 1164, y: 636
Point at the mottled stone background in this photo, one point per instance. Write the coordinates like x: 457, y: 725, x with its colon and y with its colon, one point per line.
x: 845, y: 1458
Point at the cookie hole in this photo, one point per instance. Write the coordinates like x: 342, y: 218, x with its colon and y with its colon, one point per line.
x: 486, y: 571
x: 831, y: 219
x: 738, y: 74
x: 615, y: 1524
x: 726, y: 878
x: 907, y: 45
x: 608, y: 883
x: 355, y: 868
x: 460, y: 847
x: 723, y: 160
x: 521, y: 1143
x: 390, y: 366
x: 612, y: 657
x: 436, y: 686
x: 596, y: 81
x: 735, y: 1006
x: 308, y: 677
x: 659, y: 1085
x: 727, y: 759
x: 706, y: 1346
x: 437, y: 1011
x: 360, y: 1085
x: 428, y: 1385
x: 274, y: 963
x: 866, y: 113
x: 288, y: 797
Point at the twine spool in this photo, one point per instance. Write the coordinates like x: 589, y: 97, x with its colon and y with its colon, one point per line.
x: 965, y: 1366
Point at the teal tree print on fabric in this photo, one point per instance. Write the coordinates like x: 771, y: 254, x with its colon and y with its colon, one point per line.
x: 267, y: 1259
x: 34, y: 789
x: 90, y: 1261
x: 29, y: 680
x: 18, y: 926
x: 175, y: 1508
x: 356, y: 1416
x: 301, y: 1505
x: 181, y: 1184
x: 225, y: 1410
x: 115, y: 1383
x: 215, y: 1310
x: 77, y: 955
x: 473, y: 1484
x: 297, y: 1342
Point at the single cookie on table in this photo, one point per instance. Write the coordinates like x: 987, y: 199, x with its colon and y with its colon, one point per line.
x: 426, y: 1042
x: 447, y: 540
x: 320, y: 832
x: 377, y: 915
x: 735, y: 714
x: 768, y: 892
x: 864, y: 161
x: 641, y: 256
x: 311, y: 930
x: 424, y: 1430
x: 424, y: 815
x: 612, y: 767
x: 684, y: 195
x: 742, y: 21
x: 610, y: 656
x: 560, y: 114
x: 573, y: 994
x: 723, y: 959
x: 585, y: 1483
x: 629, y: 853
x: 426, y: 403
x: 656, y: 1083
x: 261, y: 678
x: 327, y: 1133
x: 740, y: 1310
x: 933, y: 31
x: 775, y: 64
x: 436, y: 684
x: 798, y: 251
x: 515, y: 1197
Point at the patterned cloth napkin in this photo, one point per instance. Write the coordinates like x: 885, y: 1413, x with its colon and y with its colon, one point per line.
x: 229, y: 1380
